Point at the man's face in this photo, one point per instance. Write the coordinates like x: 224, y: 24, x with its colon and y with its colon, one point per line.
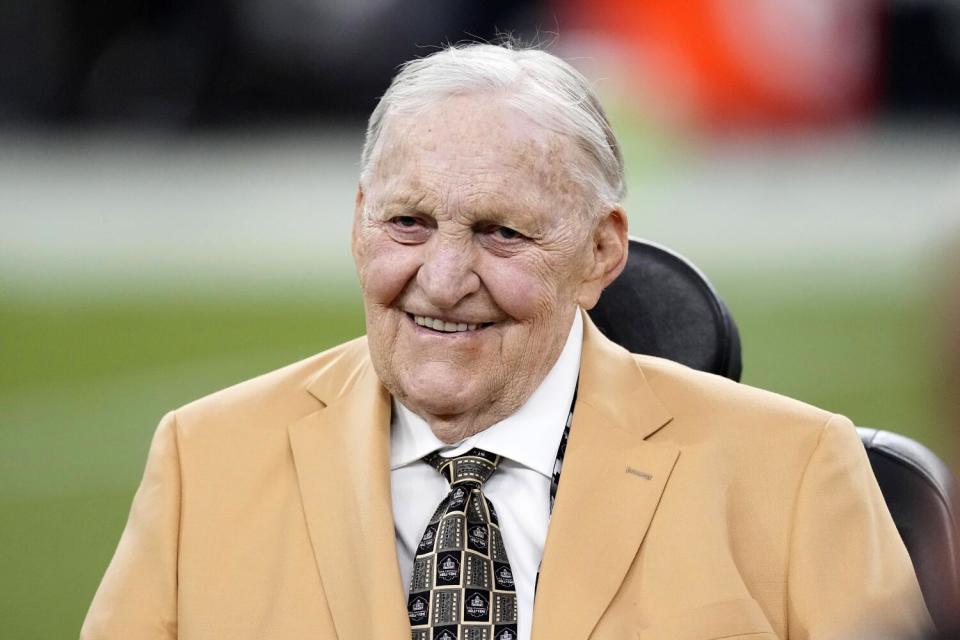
x: 472, y: 243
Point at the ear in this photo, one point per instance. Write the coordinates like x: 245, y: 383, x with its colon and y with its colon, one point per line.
x: 357, y: 216
x: 358, y: 202
x: 609, y: 246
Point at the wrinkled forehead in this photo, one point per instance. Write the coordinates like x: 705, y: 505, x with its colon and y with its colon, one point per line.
x: 481, y: 145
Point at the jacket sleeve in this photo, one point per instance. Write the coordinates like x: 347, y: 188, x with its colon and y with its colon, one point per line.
x: 137, y: 598
x: 849, y: 574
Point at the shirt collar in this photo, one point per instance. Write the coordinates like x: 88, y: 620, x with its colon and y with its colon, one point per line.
x: 530, y: 436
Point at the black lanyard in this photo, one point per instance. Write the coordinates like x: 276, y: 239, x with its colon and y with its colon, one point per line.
x: 557, y: 467
x: 561, y: 450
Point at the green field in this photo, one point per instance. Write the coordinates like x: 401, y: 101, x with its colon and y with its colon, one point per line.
x: 83, y: 384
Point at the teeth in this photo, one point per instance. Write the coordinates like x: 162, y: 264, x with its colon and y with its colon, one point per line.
x: 446, y: 327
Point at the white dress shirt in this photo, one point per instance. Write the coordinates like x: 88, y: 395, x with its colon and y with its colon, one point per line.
x: 519, y: 489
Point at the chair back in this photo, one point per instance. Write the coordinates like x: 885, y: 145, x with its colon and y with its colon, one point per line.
x: 662, y: 305
x: 924, y: 499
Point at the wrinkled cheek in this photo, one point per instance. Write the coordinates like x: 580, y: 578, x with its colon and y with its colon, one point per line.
x: 519, y: 292
x: 384, y: 273
x: 384, y: 276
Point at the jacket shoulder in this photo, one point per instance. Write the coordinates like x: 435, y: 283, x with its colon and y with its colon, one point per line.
x: 282, y: 395
x: 695, y: 397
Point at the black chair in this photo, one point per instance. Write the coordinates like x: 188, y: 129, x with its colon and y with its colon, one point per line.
x: 662, y: 305
x: 924, y: 499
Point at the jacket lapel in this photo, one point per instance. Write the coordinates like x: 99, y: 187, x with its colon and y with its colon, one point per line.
x: 341, y: 453
x: 610, y: 486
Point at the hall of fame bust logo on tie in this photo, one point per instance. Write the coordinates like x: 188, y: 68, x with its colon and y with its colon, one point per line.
x: 448, y: 569
x: 504, y: 577
x: 477, y: 608
x: 477, y: 538
x: 418, y: 610
x: 426, y: 542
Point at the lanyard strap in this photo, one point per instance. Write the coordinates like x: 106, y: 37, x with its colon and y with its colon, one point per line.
x: 557, y: 467
x: 561, y: 450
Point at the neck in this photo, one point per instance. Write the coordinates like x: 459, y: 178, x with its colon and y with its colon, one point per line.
x: 451, y: 429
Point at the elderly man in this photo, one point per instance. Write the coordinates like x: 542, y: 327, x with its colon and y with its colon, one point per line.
x: 421, y: 481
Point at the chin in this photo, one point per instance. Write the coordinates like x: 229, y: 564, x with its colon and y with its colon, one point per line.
x: 440, y: 395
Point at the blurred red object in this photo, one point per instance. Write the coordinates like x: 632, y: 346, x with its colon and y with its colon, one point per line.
x: 743, y: 62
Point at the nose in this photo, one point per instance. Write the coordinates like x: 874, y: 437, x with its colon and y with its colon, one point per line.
x: 447, y: 274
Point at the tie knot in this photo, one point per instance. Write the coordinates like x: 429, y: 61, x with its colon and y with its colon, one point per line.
x: 473, y: 467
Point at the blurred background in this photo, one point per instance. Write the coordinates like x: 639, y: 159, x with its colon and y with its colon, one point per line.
x: 177, y: 182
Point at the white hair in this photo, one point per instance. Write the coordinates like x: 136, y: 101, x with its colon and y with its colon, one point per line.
x: 540, y: 85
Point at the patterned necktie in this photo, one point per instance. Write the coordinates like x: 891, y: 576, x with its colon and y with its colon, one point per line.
x: 462, y: 586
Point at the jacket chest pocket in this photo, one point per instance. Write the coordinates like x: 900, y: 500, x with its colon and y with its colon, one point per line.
x: 728, y: 619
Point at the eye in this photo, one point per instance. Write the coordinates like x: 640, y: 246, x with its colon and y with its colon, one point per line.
x: 409, y: 229
x: 405, y: 221
x: 502, y: 234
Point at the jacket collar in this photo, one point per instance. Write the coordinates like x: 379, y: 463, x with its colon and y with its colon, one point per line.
x: 611, y: 483
x: 341, y: 454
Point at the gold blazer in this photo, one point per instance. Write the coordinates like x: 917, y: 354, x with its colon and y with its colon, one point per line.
x: 690, y: 507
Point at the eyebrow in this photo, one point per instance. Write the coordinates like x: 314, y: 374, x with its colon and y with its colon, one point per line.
x: 413, y: 203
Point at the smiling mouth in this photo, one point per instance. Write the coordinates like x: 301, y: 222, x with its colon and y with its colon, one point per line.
x: 442, y: 326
